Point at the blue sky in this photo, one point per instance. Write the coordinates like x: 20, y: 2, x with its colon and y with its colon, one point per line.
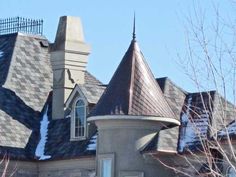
x: 108, y: 29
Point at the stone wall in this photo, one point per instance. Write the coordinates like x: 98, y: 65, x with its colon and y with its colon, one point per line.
x: 83, y: 167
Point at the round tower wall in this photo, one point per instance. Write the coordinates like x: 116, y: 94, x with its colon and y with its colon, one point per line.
x: 126, y: 139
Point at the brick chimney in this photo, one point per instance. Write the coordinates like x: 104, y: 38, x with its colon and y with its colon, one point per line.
x: 69, y: 57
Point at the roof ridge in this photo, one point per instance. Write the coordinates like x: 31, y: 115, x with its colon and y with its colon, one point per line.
x: 132, y: 70
x: 36, y: 36
x: 92, y: 77
x: 12, y: 63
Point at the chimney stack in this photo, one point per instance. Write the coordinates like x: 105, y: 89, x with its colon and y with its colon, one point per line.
x: 69, y: 57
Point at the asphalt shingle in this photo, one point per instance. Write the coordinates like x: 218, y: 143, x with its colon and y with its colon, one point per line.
x: 24, y: 66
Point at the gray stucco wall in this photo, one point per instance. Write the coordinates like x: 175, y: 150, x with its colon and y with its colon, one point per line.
x: 125, y: 139
x: 82, y: 167
x: 68, y: 172
x: 19, y: 169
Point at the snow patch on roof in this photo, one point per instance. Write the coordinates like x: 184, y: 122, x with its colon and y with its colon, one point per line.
x: 92, y: 143
x: 40, y: 150
x: 92, y: 174
x: 192, y: 129
x: 187, y: 133
x: 68, y: 116
x: 230, y: 129
x: 1, y: 54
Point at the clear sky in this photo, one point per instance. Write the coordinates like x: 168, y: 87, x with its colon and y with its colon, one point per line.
x: 108, y: 29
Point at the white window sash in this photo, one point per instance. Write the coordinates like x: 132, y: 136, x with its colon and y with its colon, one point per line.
x: 131, y: 174
x: 106, y: 159
x: 106, y: 167
x: 82, y: 129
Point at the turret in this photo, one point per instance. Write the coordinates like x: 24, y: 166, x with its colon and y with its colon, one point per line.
x: 131, y: 111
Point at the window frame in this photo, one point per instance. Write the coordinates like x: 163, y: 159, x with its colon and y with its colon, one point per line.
x: 228, y: 171
x: 131, y: 173
x: 73, y: 117
x: 102, y: 157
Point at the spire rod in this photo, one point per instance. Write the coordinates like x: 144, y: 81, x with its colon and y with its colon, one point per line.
x: 134, y: 35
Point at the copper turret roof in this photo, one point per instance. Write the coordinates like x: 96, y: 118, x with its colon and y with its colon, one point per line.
x: 133, y: 90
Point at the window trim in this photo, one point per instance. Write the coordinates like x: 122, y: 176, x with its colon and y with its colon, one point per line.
x: 131, y: 173
x: 73, y: 137
x: 102, y: 157
x: 228, y: 170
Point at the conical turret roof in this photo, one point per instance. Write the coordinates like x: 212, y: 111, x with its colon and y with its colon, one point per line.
x: 133, y: 90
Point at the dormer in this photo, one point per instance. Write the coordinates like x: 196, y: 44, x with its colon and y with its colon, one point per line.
x: 78, y: 119
x: 77, y: 107
x: 77, y: 110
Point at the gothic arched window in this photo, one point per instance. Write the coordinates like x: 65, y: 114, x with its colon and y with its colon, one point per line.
x: 79, y: 120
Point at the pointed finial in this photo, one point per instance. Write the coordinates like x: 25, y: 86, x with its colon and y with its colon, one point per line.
x: 134, y: 35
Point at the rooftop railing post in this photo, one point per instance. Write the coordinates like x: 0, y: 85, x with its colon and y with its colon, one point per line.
x: 19, y: 24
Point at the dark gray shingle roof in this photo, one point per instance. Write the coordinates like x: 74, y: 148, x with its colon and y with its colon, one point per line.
x: 59, y: 146
x: 59, y: 130
x: 133, y: 90
x: 204, y: 115
x: 174, y: 95
x: 30, y: 73
x: 7, y: 43
x: 25, y: 87
x: 26, y: 81
x: 92, y: 92
x: 167, y: 139
x: 91, y: 80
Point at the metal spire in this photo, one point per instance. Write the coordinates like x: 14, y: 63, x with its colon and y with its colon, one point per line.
x: 134, y: 35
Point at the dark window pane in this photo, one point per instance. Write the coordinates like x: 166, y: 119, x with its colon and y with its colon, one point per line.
x: 80, y: 103
x: 76, y: 121
x: 80, y: 117
x: 76, y: 132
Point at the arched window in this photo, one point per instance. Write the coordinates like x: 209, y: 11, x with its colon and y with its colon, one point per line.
x: 231, y: 172
x: 79, y: 119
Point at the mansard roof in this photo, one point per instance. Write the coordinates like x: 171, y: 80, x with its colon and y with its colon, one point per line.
x: 202, y: 111
x: 25, y: 86
x: 91, y: 90
x: 133, y: 90
x: 25, y: 82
